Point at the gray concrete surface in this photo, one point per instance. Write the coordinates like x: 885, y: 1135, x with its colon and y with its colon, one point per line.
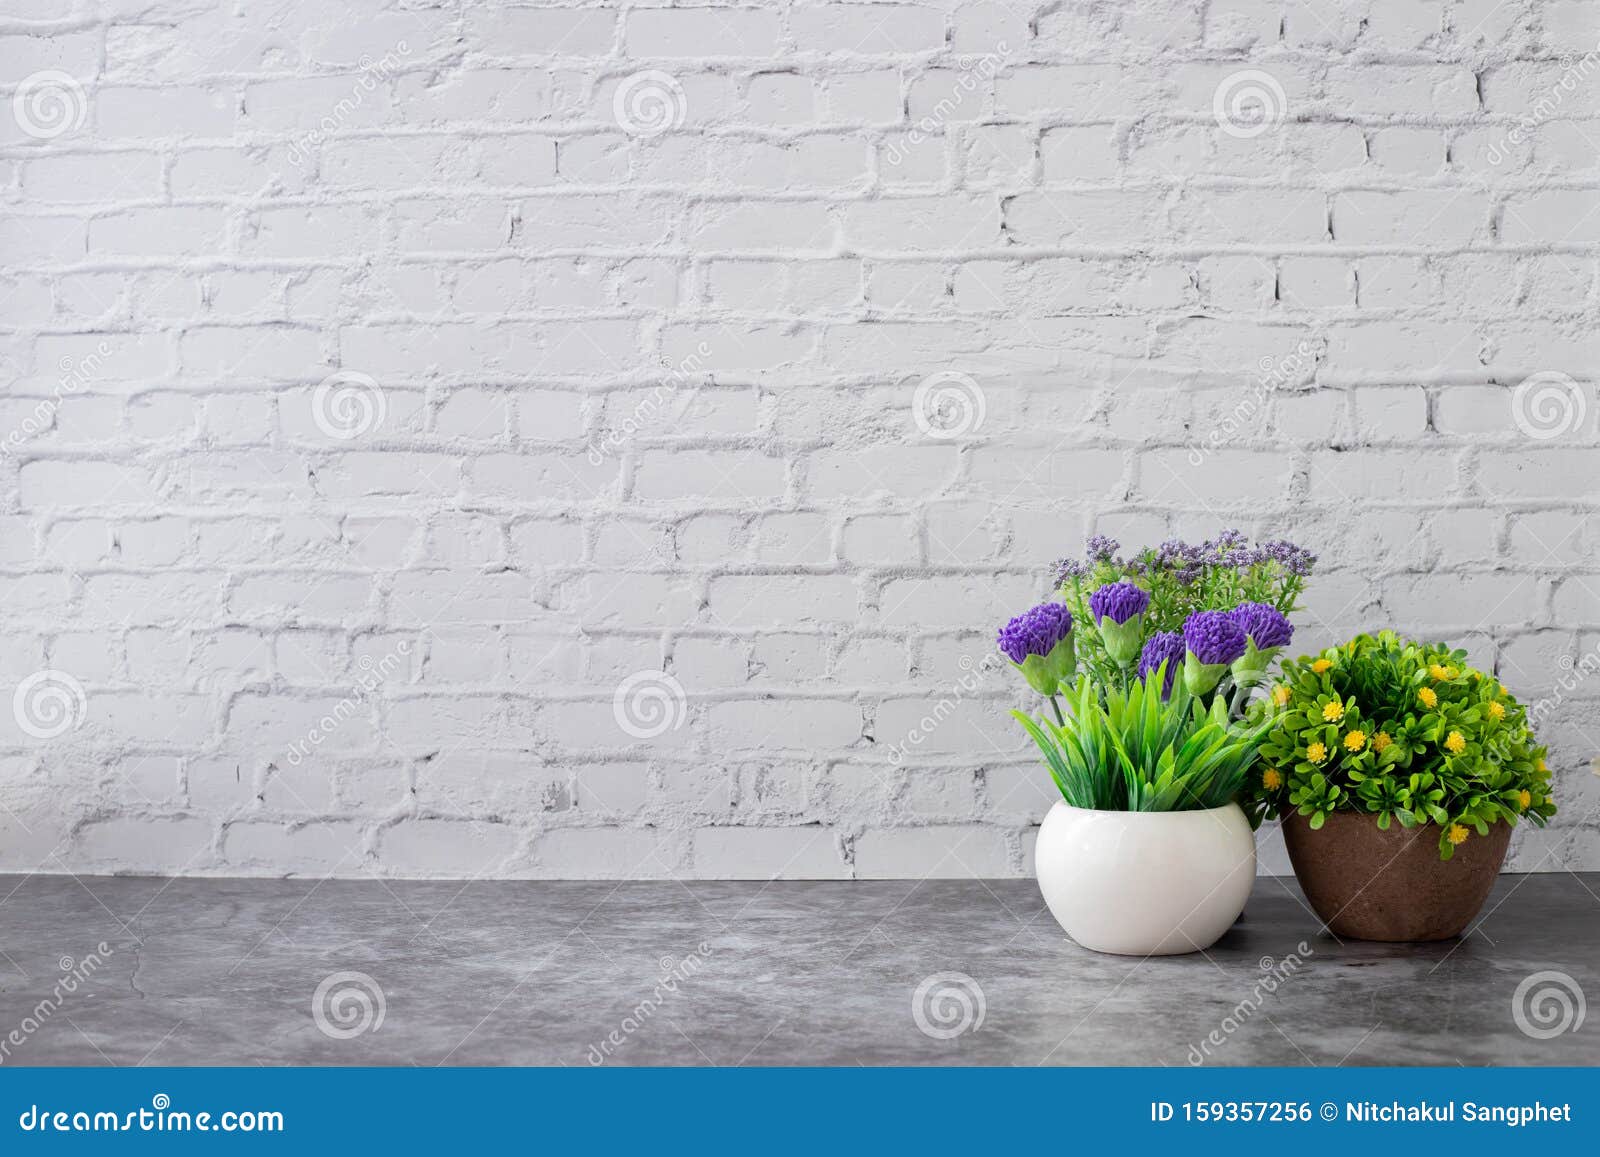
x: 218, y: 971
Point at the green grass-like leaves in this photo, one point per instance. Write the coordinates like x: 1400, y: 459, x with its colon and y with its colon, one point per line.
x: 1128, y: 749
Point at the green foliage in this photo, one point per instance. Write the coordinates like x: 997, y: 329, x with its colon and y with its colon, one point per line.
x: 1128, y: 749
x: 1404, y: 731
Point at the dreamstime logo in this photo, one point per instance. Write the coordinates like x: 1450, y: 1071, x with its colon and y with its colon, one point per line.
x: 1574, y: 74
x: 1248, y: 103
x: 347, y: 1004
x: 611, y: 441
x: 373, y: 673
x: 649, y: 103
x: 1276, y: 373
x: 372, y: 74
x: 74, y: 975
x: 76, y: 373
x: 967, y: 685
x: 972, y: 76
x: 49, y: 104
x: 948, y: 404
x: 1274, y: 973
x: 673, y: 973
x: 1547, y: 1004
x: 49, y: 703
x: 1549, y: 404
x: 347, y: 405
x: 947, y: 1004
x: 1574, y: 673
x: 649, y: 703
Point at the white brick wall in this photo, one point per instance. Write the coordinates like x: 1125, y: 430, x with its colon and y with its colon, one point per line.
x: 388, y: 382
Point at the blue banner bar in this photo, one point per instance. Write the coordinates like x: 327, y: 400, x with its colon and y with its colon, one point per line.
x: 799, y: 1110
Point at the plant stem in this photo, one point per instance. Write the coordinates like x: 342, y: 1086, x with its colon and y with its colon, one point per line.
x: 1060, y: 720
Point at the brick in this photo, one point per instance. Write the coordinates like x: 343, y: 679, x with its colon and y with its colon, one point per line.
x: 433, y: 847
x: 604, y: 854
x: 941, y: 852
x: 769, y: 854
x: 647, y: 404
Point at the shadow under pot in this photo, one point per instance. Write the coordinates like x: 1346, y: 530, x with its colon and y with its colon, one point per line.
x: 1145, y: 883
x: 1367, y: 883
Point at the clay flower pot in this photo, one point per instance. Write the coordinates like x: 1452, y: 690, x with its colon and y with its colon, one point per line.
x: 1145, y: 883
x: 1369, y: 884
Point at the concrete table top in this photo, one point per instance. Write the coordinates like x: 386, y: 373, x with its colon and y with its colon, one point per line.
x: 275, y: 972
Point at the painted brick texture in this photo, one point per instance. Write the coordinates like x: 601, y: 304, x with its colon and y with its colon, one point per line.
x: 463, y: 439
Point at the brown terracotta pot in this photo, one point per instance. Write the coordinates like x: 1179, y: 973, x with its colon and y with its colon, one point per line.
x: 1369, y: 884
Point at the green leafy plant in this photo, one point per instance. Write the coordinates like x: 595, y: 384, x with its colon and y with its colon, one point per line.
x: 1404, y: 731
x: 1130, y: 748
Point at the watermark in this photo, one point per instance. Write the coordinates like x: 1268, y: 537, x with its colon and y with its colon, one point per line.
x: 74, y: 375
x: 347, y: 405
x: 374, y: 673
x: 948, y: 1004
x: 1574, y: 673
x: 648, y: 704
x: 972, y: 73
x: 348, y: 1004
x: 967, y: 684
x: 49, y: 104
x: 1248, y: 103
x: 372, y: 74
x: 1274, y: 374
x: 672, y: 974
x: 1549, y: 404
x: 650, y: 103
x: 49, y: 703
x: 612, y: 440
x: 1573, y: 74
x: 947, y: 405
x: 74, y: 974
x: 1274, y: 973
x: 1548, y: 1004
x: 160, y: 1117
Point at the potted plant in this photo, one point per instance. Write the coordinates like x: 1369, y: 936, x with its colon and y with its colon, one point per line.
x: 1156, y: 658
x: 1399, y: 771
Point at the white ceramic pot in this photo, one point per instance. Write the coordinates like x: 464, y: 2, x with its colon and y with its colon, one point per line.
x: 1146, y: 883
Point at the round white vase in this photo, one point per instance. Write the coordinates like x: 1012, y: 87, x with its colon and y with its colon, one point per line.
x: 1146, y: 883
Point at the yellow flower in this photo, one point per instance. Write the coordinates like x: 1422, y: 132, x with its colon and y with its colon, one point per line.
x: 1458, y: 834
x: 1317, y: 752
x: 1333, y: 712
x: 1356, y: 740
x: 1542, y: 766
x: 1442, y: 671
x: 1497, y: 710
x: 1280, y: 696
x: 1272, y: 779
x: 1429, y: 699
x: 1524, y: 800
x: 1380, y: 741
x: 1455, y: 743
x: 1321, y: 665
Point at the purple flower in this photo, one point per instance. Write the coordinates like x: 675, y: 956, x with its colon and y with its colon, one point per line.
x: 1290, y: 557
x: 1101, y: 548
x: 1230, y: 548
x: 1118, y: 602
x: 1265, y: 626
x: 1035, y: 632
x: 1162, y: 647
x: 1213, y: 637
x: 1067, y: 568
